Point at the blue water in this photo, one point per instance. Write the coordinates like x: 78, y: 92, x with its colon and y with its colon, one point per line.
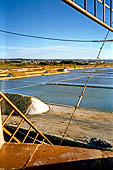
x: 96, y: 98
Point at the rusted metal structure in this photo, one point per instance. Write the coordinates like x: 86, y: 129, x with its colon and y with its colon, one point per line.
x: 1, y: 132
x: 21, y: 155
x: 47, y: 157
x: 75, y: 4
x: 22, y: 120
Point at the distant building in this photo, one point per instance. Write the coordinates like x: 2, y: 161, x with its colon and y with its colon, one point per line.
x: 9, y: 75
x: 62, y: 70
x: 46, y: 71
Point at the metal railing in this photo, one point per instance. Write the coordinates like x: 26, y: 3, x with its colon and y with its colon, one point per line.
x: 93, y: 14
x: 12, y: 136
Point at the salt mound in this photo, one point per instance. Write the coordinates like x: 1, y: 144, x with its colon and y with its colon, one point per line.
x: 37, y: 107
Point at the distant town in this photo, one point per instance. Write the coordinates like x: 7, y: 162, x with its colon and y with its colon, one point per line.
x: 21, y: 68
x: 36, y: 62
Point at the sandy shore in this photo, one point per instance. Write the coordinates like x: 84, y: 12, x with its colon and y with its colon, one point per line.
x: 86, y: 122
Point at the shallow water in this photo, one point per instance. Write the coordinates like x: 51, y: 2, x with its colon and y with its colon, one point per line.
x: 96, y: 98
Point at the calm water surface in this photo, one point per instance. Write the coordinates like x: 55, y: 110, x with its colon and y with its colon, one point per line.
x: 97, y: 98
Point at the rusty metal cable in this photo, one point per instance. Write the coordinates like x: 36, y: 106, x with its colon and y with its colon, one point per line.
x: 54, y: 39
x: 84, y: 89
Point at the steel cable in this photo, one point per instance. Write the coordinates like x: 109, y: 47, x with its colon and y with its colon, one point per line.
x: 83, y: 91
x: 54, y: 39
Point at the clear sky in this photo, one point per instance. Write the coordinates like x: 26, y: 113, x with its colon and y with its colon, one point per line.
x: 50, y: 18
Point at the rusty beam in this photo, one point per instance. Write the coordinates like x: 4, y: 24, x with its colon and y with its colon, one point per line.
x: 43, y: 157
x: 103, y: 10
x: 8, y: 117
x: 10, y: 134
x: 95, y: 8
x: 106, y: 5
x: 24, y: 117
x: 78, y: 8
x: 85, y: 4
x: 16, y: 130
x: 111, y: 13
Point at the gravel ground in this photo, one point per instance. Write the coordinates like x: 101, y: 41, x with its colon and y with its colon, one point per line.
x: 85, y: 123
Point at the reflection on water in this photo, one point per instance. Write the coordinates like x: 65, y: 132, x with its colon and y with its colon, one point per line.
x: 97, y: 98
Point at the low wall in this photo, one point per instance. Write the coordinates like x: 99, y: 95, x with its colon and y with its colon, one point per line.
x: 22, y: 102
x: 26, y: 104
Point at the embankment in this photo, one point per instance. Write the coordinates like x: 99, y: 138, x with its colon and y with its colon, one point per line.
x: 26, y: 104
x: 32, y: 75
x: 89, y: 127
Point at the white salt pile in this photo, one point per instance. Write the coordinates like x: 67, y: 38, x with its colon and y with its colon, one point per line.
x: 37, y: 107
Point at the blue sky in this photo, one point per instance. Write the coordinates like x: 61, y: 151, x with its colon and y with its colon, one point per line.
x: 49, y: 18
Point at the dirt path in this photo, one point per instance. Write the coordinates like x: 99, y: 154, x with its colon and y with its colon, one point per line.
x: 86, y: 122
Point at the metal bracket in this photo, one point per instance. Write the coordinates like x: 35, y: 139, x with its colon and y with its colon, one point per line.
x: 93, y: 16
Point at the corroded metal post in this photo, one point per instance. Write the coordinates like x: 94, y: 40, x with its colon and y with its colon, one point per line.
x: 111, y: 12
x: 103, y: 10
x: 85, y: 4
x: 90, y: 15
x: 95, y: 8
x: 1, y: 130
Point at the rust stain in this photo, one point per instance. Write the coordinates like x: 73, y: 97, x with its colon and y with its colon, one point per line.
x: 59, y: 154
x: 32, y: 156
x: 15, y: 155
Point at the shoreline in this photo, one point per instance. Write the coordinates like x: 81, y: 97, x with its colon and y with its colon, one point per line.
x: 86, y: 123
x: 41, y: 73
x: 72, y: 107
x: 34, y: 75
